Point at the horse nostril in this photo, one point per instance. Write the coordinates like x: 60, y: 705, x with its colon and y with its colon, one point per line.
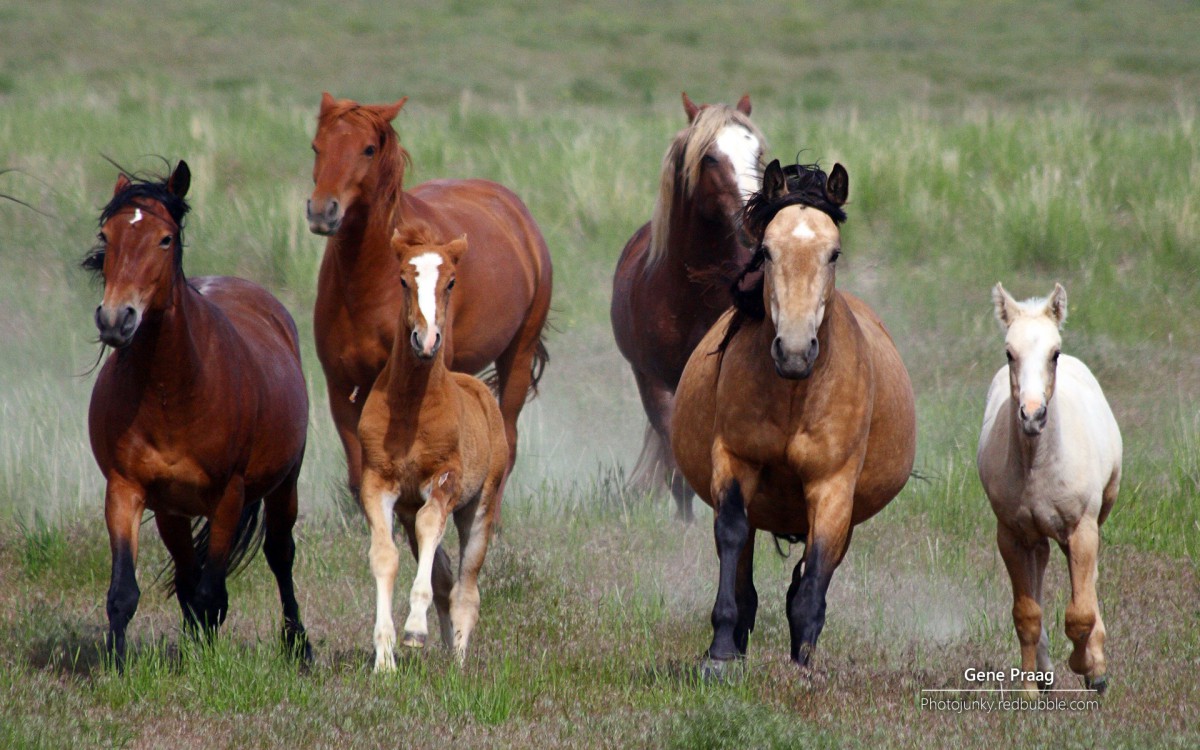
x: 777, y: 348
x: 437, y: 340
x: 415, y: 340
x: 332, y: 211
x: 812, y: 343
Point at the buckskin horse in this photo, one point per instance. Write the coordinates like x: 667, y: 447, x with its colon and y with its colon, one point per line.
x: 794, y: 414
x: 201, y: 412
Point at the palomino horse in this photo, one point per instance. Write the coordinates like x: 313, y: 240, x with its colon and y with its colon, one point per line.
x: 358, y: 200
x: 795, y: 413
x: 433, y: 445
x: 1050, y: 461
x: 664, y: 299
x: 202, y: 412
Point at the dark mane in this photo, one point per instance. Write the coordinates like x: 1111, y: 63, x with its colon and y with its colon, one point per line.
x: 142, y: 191
x: 805, y: 187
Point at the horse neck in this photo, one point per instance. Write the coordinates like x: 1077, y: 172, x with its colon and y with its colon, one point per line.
x: 697, y: 242
x: 1034, y: 451
x: 168, y: 349
x: 414, y: 384
x: 362, y: 249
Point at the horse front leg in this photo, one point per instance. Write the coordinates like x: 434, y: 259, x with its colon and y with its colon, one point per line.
x: 379, y: 504
x: 176, y: 533
x: 732, y: 483
x: 430, y: 526
x: 1026, y: 564
x: 124, y: 503
x: 830, y: 510
x: 1084, y: 625
x: 746, y: 596
x: 346, y: 415
x: 474, y: 523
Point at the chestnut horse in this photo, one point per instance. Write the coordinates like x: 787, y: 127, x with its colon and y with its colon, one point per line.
x: 663, y: 298
x: 358, y: 201
x: 1050, y: 462
x: 433, y: 445
x: 795, y: 413
x: 201, y: 412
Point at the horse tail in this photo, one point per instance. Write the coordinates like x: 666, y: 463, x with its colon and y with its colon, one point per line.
x: 541, y: 357
x: 247, y: 538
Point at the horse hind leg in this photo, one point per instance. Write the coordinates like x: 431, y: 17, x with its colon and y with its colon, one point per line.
x: 176, y: 533
x: 1026, y: 565
x: 279, y: 547
x: 228, y: 534
x: 657, y: 463
x: 1084, y: 625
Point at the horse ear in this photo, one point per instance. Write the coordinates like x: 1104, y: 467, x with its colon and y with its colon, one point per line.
x: 1056, y: 306
x: 690, y: 108
x: 389, y: 111
x: 180, y: 180
x: 327, y: 102
x: 457, y: 248
x: 774, y: 184
x: 1006, y: 306
x: 837, y: 185
x: 122, y: 183
x: 743, y: 105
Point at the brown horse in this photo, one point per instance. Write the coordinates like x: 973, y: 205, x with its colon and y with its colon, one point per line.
x: 358, y: 201
x: 663, y: 299
x: 433, y: 445
x: 201, y: 412
x: 795, y: 413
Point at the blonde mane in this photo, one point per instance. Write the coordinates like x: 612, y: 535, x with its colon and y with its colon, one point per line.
x: 682, y: 161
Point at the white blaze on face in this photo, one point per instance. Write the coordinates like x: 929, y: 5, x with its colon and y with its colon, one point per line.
x: 137, y: 216
x: 742, y: 148
x: 427, y: 279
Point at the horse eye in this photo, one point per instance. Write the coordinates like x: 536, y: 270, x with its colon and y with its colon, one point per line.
x: 103, y: 238
x: 1009, y: 355
x: 315, y: 149
x: 708, y: 160
x: 836, y: 254
x: 165, y: 242
x: 1054, y: 356
x: 766, y: 251
x: 451, y: 284
x: 369, y: 151
x: 404, y: 283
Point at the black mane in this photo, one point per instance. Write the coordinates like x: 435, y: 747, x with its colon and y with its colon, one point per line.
x: 141, y: 191
x: 806, y: 186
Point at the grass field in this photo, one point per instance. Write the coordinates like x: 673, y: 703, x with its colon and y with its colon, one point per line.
x: 1014, y: 141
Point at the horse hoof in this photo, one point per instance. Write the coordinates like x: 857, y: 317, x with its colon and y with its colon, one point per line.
x: 1099, y: 684
x: 414, y: 640
x: 719, y: 670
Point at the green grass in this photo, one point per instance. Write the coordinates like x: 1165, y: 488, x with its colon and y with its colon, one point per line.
x: 1011, y: 142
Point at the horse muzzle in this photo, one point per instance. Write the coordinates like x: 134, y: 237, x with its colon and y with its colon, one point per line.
x: 1033, y: 424
x: 426, y: 347
x: 794, y: 365
x: 324, y: 217
x: 117, y: 325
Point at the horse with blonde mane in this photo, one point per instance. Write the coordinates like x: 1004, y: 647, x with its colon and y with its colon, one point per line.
x: 434, y: 445
x: 1050, y: 462
x: 664, y: 295
x: 358, y: 200
x: 795, y: 413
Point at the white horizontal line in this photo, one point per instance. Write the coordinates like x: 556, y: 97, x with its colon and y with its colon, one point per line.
x: 999, y: 690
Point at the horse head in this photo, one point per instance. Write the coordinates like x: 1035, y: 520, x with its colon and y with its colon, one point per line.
x: 139, y: 252
x: 427, y: 274
x: 357, y: 160
x: 1032, y: 344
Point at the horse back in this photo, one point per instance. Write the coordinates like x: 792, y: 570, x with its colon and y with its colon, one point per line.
x: 506, y: 273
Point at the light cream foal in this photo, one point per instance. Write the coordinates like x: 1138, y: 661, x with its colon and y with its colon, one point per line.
x: 1050, y: 462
